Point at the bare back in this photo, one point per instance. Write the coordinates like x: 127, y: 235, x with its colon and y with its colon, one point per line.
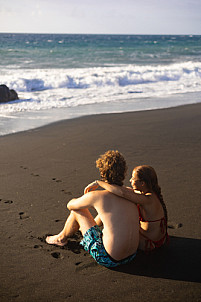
x: 152, y: 212
x: 120, y: 224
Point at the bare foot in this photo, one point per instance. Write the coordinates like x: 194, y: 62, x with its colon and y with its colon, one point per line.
x: 56, y: 239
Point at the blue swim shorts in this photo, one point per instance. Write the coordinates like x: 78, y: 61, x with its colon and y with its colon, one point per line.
x: 93, y: 244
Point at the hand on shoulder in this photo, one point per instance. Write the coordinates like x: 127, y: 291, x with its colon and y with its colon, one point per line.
x: 91, y: 187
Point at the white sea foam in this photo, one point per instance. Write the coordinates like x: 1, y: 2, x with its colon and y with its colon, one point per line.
x: 41, y: 89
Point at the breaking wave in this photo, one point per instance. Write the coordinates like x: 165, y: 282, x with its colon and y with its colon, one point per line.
x: 55, y: 88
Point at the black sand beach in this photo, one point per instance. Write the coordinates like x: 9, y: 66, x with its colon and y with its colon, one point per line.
x: 42, y: 169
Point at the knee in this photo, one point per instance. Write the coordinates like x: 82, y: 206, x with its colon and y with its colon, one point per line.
x: 78, y: 212
x: 73, y: 212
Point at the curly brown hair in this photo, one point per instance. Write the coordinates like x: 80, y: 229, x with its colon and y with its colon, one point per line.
x: 112, y: 167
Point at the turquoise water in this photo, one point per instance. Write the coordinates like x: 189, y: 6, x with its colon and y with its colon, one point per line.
x: 88, y: 74
x: 81, y: 51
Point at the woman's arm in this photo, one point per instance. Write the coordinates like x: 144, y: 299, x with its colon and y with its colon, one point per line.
x: 91, y: 187
x: 124, y: 192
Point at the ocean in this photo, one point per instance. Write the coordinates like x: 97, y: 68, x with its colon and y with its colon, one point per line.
x: 60, y: 76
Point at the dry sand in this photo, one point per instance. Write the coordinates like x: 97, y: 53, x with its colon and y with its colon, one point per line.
x: 42, y: 169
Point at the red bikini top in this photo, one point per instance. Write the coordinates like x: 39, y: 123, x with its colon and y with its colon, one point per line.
x: 163, y: 221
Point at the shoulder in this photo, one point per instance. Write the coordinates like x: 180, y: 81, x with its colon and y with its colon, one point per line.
x: 144, y: 199
x: 96, y: 194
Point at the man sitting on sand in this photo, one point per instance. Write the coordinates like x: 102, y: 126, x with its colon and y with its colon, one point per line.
x: 117, y: 243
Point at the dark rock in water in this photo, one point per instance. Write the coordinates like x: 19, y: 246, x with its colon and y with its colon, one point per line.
x: 4, y: 94
x: 13, y: 95
x: 7, y: 95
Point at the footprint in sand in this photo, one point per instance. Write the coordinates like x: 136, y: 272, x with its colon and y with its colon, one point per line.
x: 77, y: 263
x: 8, y: 201
x: 56, y: 255
x: 22, y: 167
x: 23, y: 215
x: 56, y: 180
x: 86, y: 266
x: 42, y: 239
x: 35, y: 174
x: 38, y: 246
x: 66, y: 192
x: 174, y: 225
x: 15, y: 296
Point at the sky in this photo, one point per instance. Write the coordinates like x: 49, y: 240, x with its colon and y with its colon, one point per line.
x: 101, y: 16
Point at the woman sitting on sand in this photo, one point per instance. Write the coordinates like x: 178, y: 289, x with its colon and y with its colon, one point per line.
x: 146, y: 193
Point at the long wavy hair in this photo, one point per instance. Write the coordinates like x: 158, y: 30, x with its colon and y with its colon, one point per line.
x: 148, y: 175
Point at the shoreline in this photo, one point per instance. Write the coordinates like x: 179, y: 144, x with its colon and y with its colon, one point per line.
x: 52, y: 124
x: 42, y: 169
x: 28, y: 121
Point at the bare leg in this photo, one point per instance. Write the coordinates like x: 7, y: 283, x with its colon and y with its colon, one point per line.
x: 98, y: 220
x: 71, y: 226
x: 80, y: 219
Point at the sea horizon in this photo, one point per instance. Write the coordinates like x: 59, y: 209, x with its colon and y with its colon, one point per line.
x: 98, y: 34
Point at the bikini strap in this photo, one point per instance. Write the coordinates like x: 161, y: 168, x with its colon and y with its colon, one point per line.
x: 162, y: 220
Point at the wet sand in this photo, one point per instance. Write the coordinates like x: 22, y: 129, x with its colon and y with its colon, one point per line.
x: 42, y: 169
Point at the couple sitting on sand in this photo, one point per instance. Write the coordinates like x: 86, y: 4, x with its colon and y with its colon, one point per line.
x: 119, y: 210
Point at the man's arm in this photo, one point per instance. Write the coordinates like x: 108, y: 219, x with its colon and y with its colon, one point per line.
x: 85, y: 201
